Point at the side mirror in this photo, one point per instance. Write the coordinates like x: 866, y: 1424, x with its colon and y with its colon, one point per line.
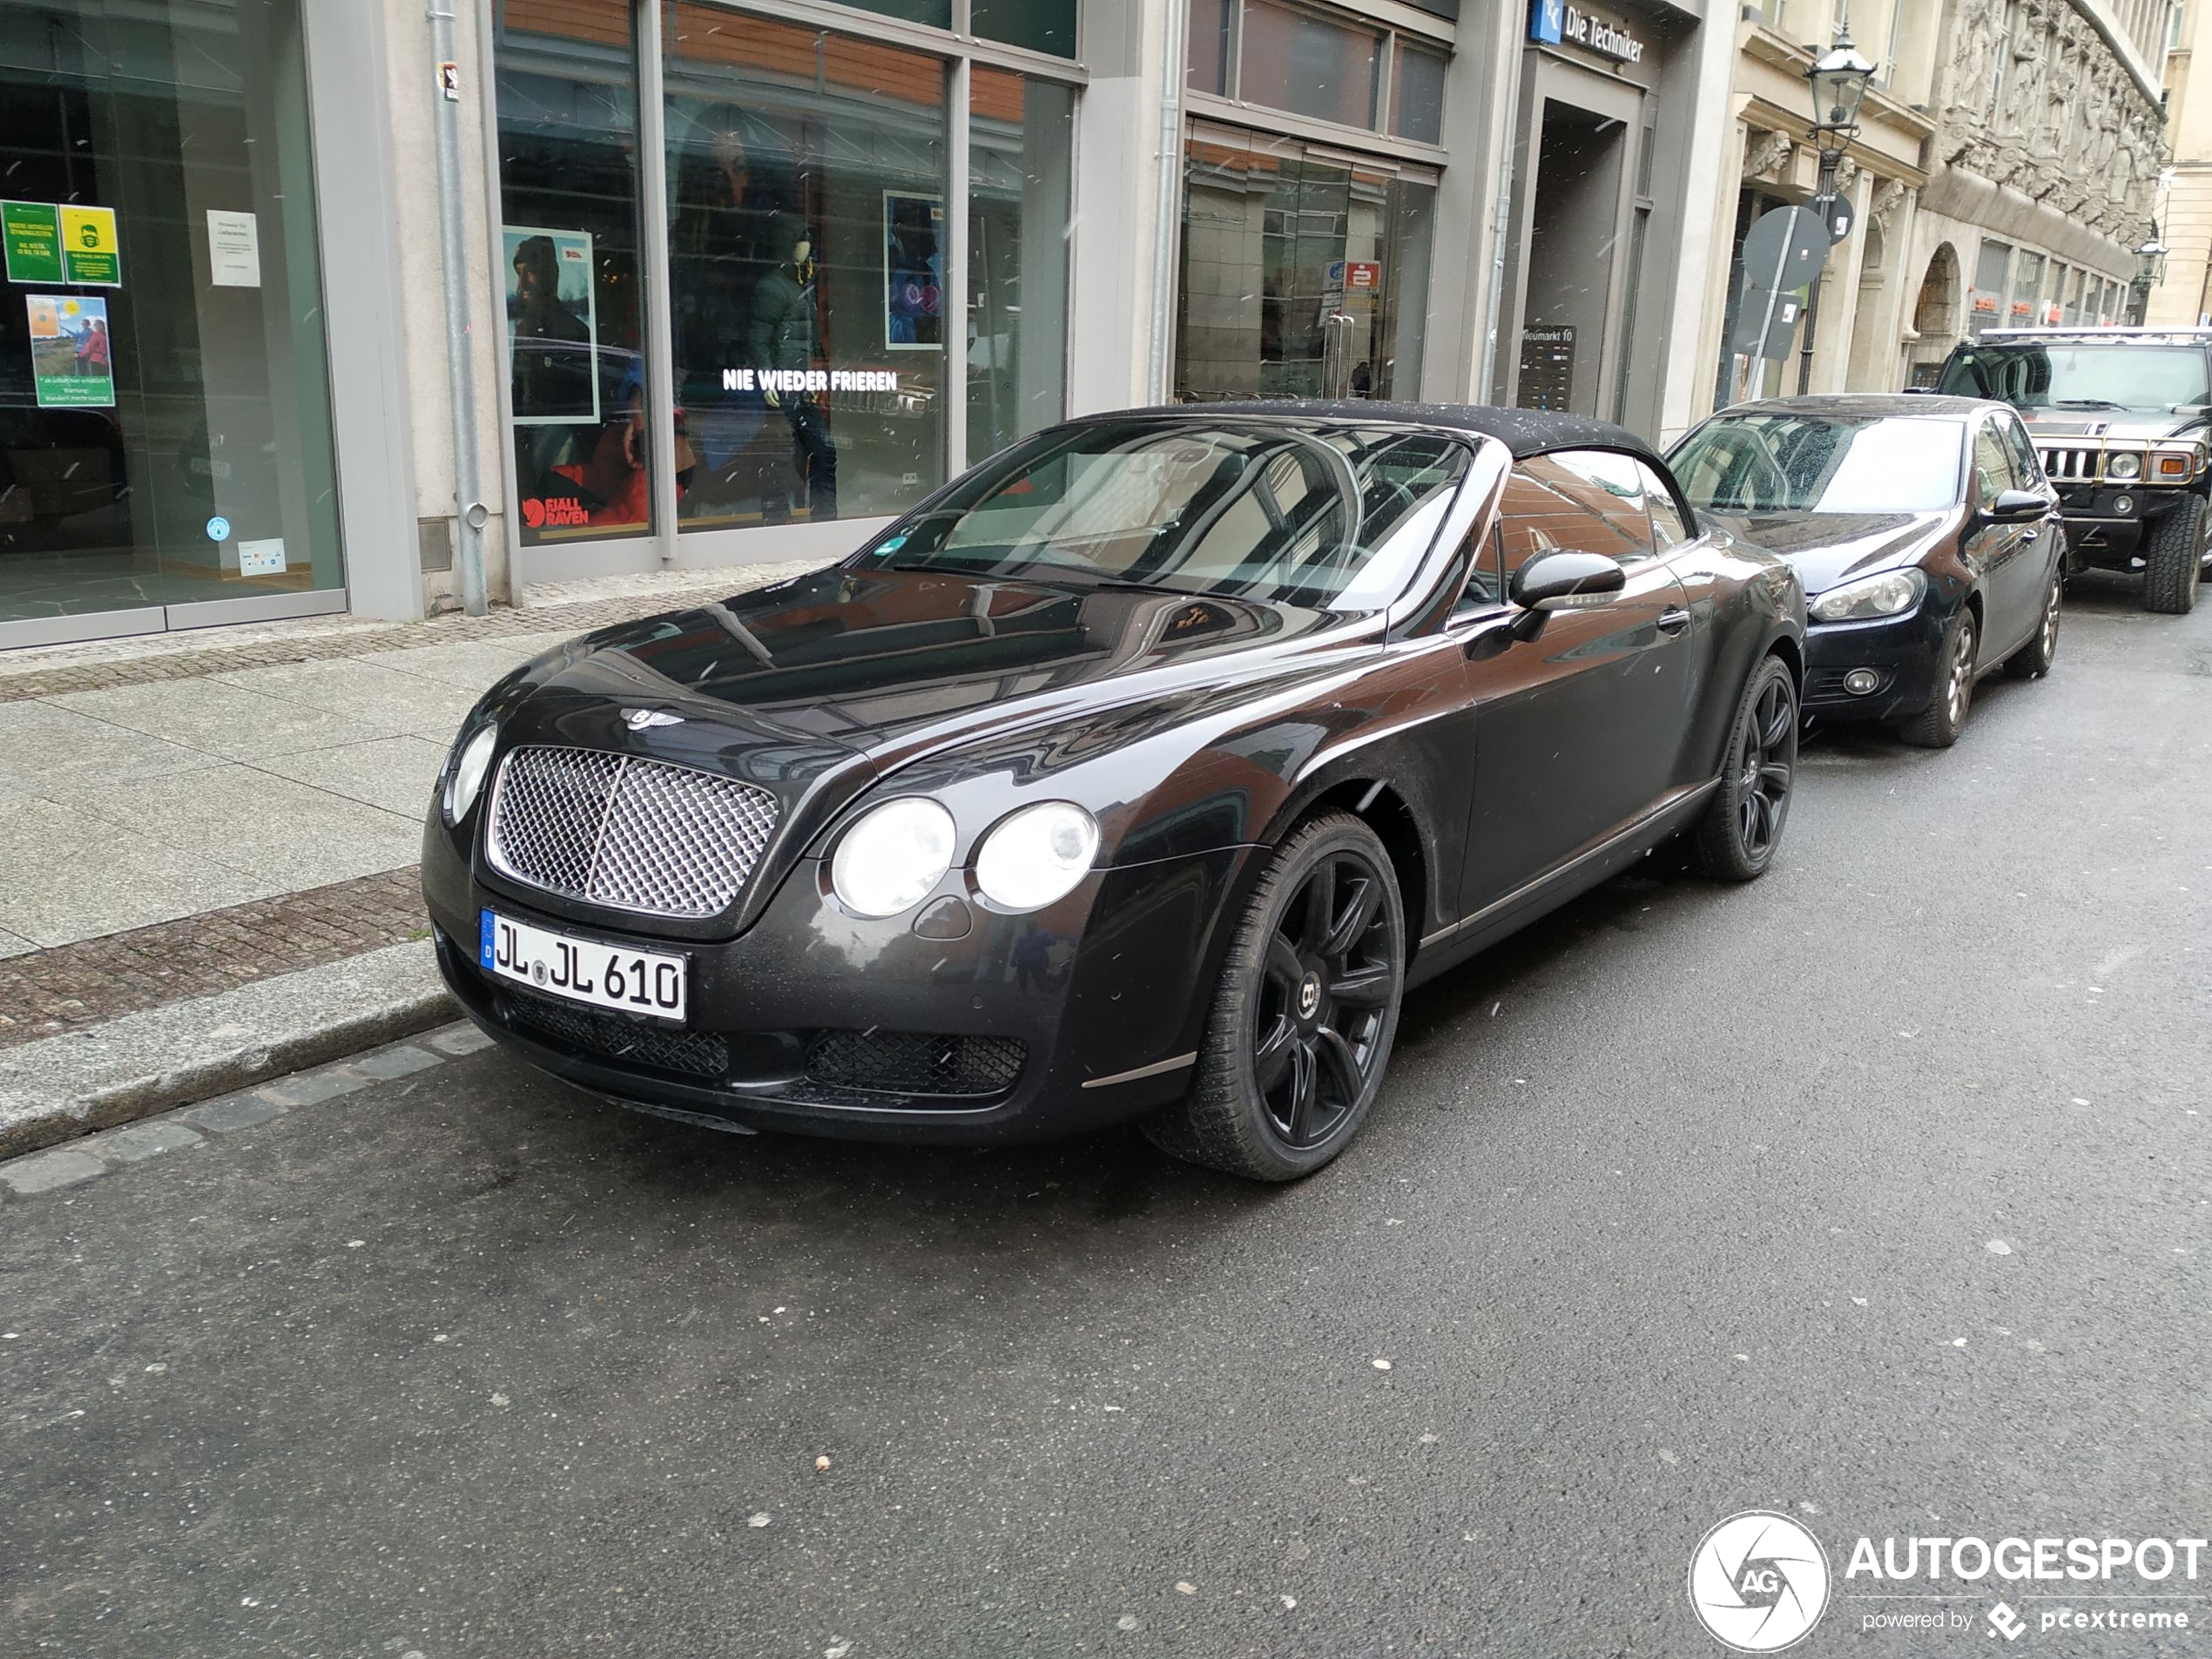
x: 2016, y: 507
x: 1553, y: 579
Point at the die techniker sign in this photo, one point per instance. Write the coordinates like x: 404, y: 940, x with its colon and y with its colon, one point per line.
x: 1554, y: 23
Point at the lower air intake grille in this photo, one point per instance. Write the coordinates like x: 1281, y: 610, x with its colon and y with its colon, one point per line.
x: 701, y: 1054
x: 910, y: 1062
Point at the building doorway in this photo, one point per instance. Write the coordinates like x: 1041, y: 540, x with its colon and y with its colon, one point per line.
x: 1578, y: 166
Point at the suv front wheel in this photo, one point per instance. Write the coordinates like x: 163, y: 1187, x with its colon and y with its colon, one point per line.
x: 2175, y: 559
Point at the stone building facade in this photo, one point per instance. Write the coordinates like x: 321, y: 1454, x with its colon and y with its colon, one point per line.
x: 2005, y: 171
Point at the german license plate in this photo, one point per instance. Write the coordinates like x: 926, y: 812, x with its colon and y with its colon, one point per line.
x: 583, y: 970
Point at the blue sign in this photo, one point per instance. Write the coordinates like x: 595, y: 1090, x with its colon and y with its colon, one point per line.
x: 218, y: 528
x: 1547, y: 22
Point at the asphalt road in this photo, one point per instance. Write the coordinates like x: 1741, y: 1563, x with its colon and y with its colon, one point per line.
x: 1683, y: 1204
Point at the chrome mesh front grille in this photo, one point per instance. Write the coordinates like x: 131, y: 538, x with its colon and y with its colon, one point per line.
x: 635, y: 834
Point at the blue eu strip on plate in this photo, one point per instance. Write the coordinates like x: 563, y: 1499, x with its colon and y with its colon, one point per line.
x: 484, y: 952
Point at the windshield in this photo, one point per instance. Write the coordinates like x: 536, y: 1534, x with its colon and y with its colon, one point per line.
x: 1254, y: 511
x: 2035, y: 375
x: 1797, y: 463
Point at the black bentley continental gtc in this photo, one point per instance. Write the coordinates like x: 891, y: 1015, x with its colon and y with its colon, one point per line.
x: 1135, y: 775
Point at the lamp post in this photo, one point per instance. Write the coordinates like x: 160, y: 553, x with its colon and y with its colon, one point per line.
x: 1838, y: 79
x: 2150, y: 271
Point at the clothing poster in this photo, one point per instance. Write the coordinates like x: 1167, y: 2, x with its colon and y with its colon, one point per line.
x: 552, y: 327
x: 72, y: 357
x: 913, y: 270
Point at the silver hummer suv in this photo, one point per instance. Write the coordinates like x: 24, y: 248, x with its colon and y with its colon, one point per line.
x: 2121, y: 419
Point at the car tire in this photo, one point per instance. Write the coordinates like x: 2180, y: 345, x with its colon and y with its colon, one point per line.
x: 1735, y: 838
x: 2032, y: 661
x: 2175, y: 563
x: 1937, y: 725
x: 1296, y: 1024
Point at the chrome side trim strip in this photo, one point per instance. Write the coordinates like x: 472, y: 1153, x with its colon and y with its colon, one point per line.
x: 1626, y: 833
x: 1153, y: 1071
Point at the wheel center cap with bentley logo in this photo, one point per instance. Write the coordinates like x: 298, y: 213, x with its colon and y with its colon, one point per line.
x: 1309, y: 996
x: 639, y: 719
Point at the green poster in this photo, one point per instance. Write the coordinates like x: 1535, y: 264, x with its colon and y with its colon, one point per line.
x: 72, y: 358
x: 32, y: 232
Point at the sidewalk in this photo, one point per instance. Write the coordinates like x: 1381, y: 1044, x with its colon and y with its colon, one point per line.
x: 201, y: 834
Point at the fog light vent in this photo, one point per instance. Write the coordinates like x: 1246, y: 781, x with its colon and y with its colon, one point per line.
x: 1860, y: 681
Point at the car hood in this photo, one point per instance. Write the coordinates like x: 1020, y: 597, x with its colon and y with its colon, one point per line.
x: 814, y: 687
x: 2111, y: 425
x: 1828, y: 547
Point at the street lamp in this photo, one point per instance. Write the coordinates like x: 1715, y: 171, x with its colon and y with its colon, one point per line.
x: 1838, y: 79
x: 2150, y: 271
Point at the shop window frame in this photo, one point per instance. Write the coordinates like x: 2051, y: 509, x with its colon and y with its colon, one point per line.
x: 1231, y: 106
x: 668, y: 544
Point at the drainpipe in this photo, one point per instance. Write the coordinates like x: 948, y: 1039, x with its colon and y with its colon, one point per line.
x: 1500, y: 233
x: 1175, y: 21
x: 461, y: 358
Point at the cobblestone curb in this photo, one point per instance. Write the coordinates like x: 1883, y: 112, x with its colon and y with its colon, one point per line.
x: 59, y: 1088
x: 91, y: 1155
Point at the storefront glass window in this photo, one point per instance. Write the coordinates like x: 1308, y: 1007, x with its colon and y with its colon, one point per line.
x: 574, y: 315
x: 1020, y: 140
x: 1417, y: 95
x: 1209, y: 67
x: 1308, y: 64
x: 1301, y: 277
x: 807, y: 176
x: 1991, y: 269
x: 937, y: 14
x: 1042, y: 26
x: 2027, y: 279
x: 165, y: 402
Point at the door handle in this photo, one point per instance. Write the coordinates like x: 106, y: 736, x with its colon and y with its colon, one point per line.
x: 2032, y: 536
x: 1673, y: 620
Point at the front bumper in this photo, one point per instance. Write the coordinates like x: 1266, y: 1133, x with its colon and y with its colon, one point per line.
x: 1899, y: 652
x: 816, y: 1021
x: 2106, y: 524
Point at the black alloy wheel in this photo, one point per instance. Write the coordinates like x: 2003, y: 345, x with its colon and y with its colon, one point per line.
x: 2032, y: 661
x: 1303, y: 1023
x: 1330, y: 972
x: 1937, y: 725
x: 1736, y: 837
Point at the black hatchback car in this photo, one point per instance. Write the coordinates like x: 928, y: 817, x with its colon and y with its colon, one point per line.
x: 1134, y: 775
x: 1928, y: 539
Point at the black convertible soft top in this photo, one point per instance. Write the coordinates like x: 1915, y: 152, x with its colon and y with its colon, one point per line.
x: 1524, y: 432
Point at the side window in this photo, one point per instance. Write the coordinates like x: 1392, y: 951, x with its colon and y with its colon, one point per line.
x: 1486, y: 573
x: 1597, y: 504
x: 1668, y: 525
x: 2027, y: 467
x: 1539, y: 513
x: 1993, y: 467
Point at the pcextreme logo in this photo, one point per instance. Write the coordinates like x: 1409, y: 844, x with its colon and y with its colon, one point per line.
x: 1758, y: 1582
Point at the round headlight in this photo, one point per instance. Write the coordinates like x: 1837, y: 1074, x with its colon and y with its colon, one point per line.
x: 465, y: 780
x: 889, y: 860
x: 1036, y: 855
x: 2124, y: 467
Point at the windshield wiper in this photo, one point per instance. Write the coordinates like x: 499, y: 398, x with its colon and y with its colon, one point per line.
x: 2086, y: 404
